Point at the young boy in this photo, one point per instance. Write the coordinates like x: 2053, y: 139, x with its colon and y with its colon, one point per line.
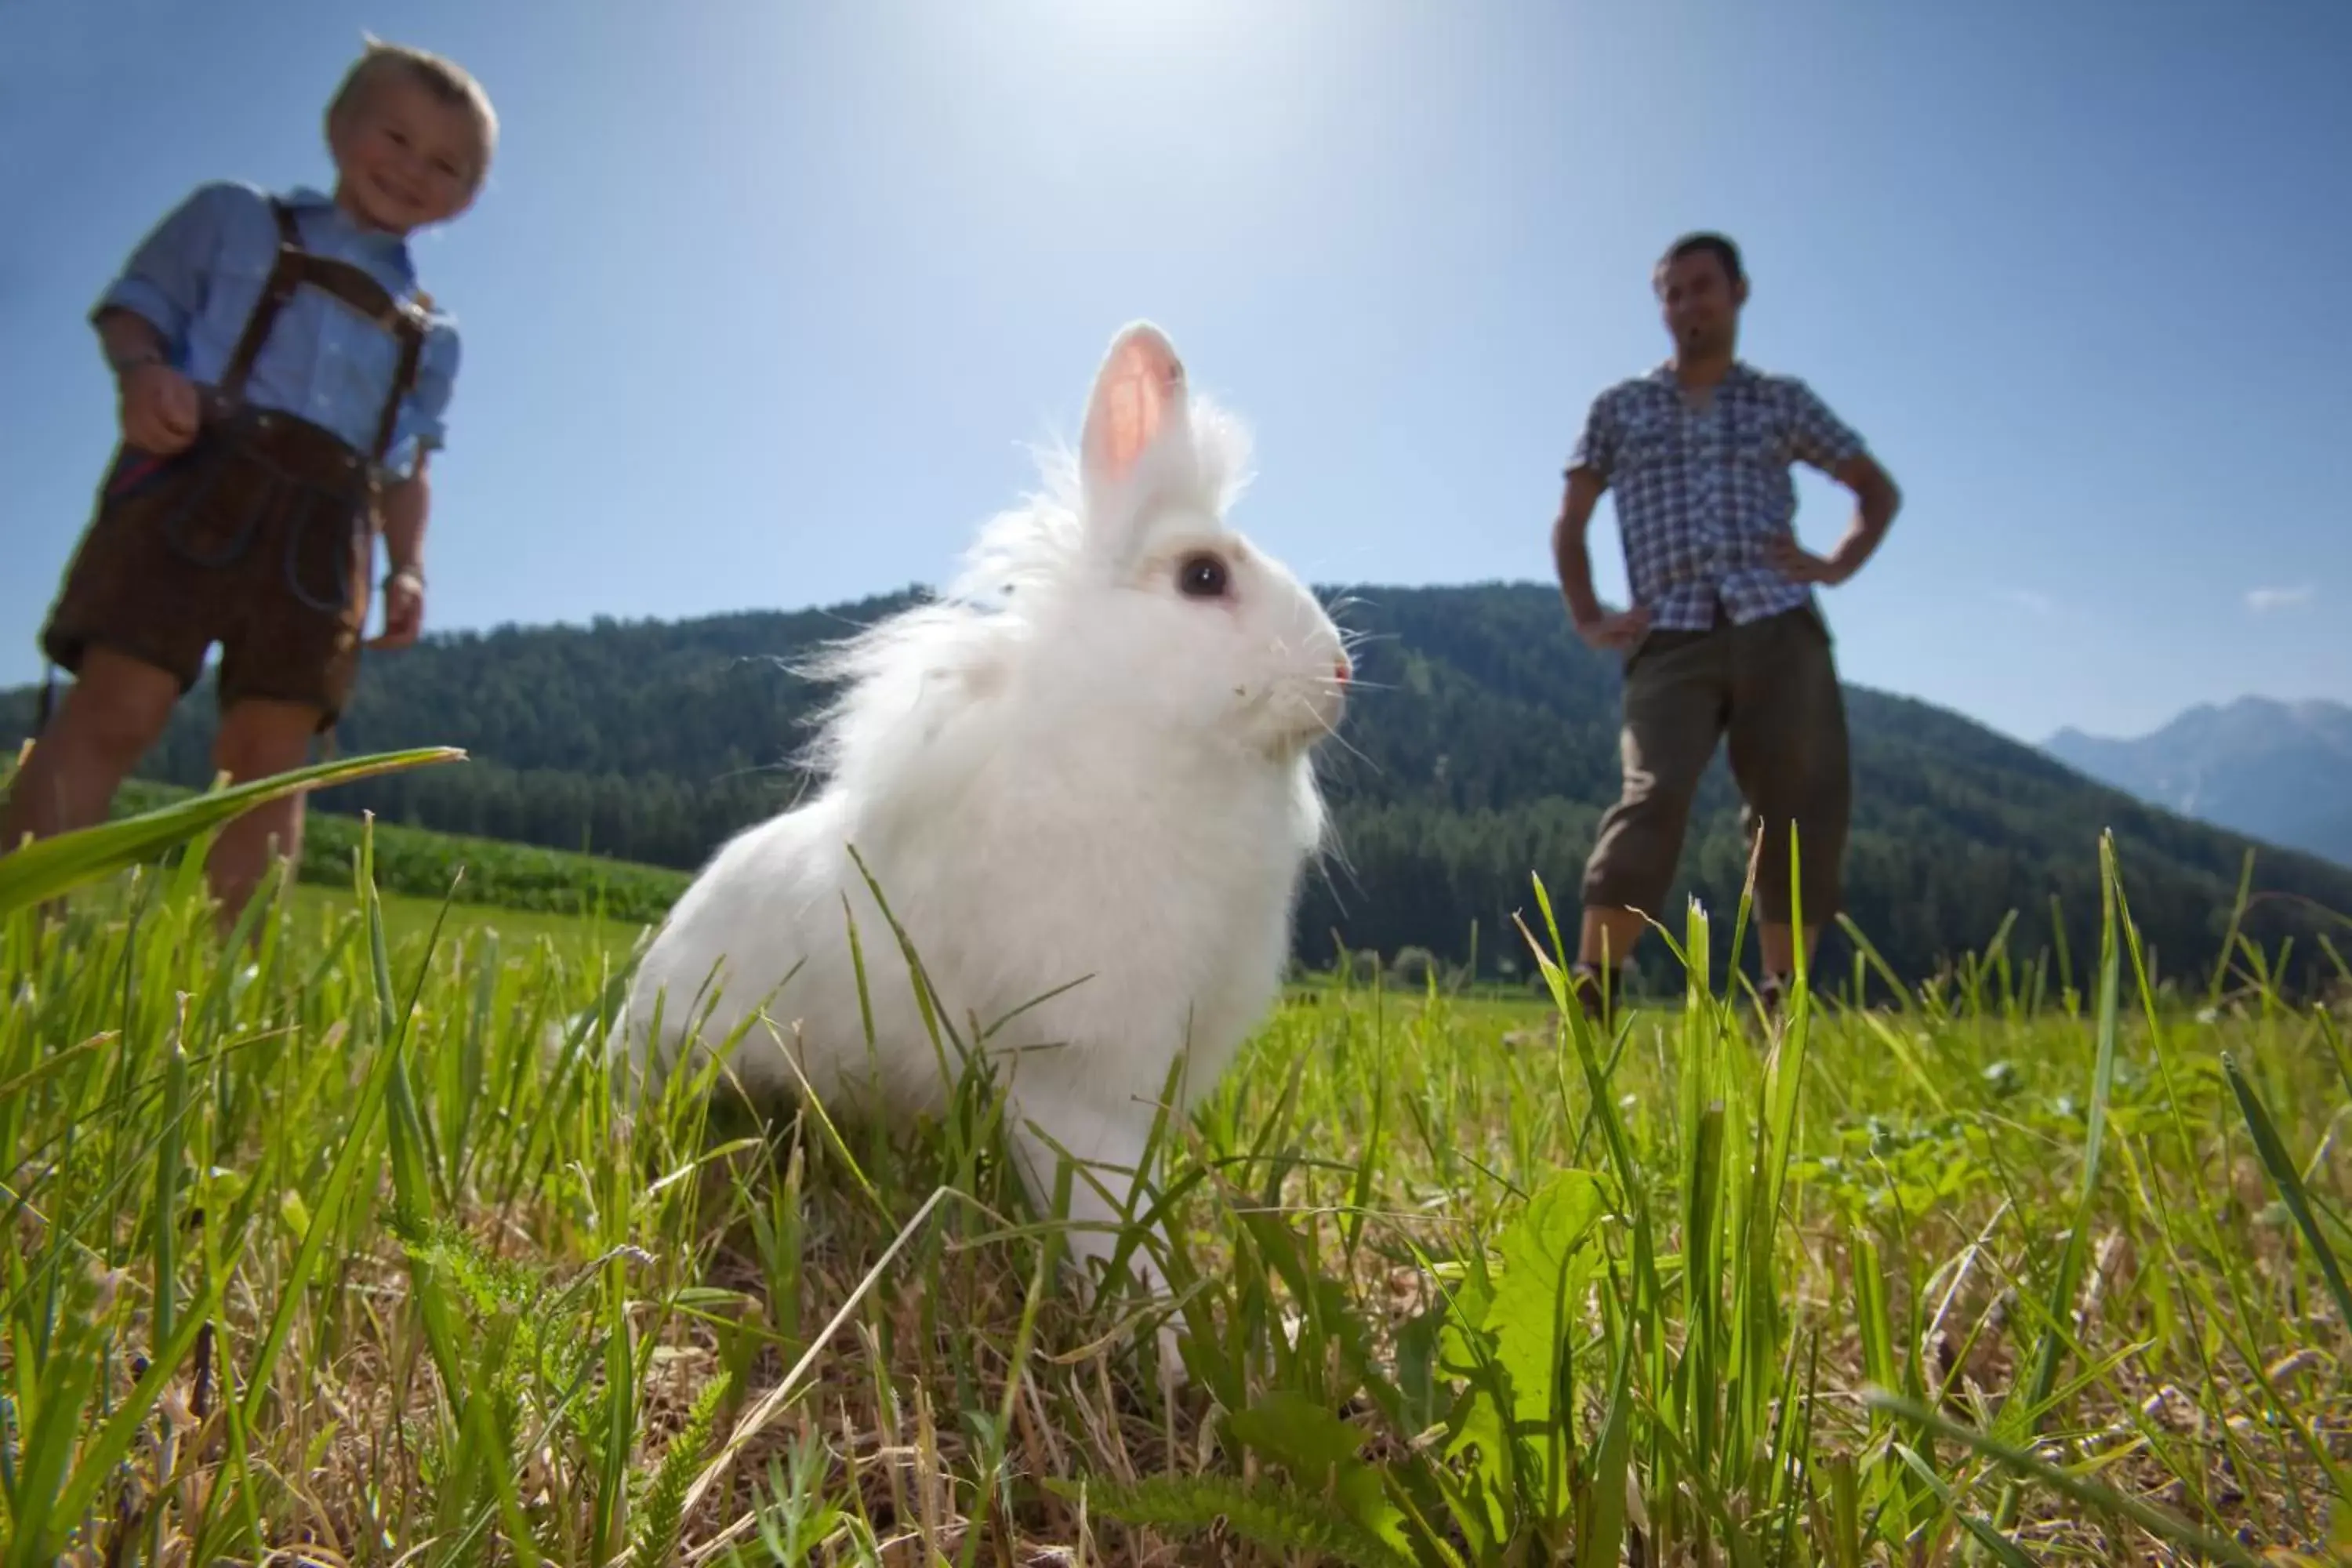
x: 281, y: 378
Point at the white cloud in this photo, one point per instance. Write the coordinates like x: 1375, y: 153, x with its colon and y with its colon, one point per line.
x: 2027, y: 599
x: 2262, y: 601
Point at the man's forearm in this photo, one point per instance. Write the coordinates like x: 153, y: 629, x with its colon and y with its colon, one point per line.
x: 1877, y: 500
x: 1570, y: 558
x: 1574, y: 563
x: 405, y: 504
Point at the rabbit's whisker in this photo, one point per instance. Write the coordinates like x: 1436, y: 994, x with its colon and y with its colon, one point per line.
x: 1331, y: 734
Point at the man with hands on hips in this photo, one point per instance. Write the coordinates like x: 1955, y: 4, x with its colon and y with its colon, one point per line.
x: 1724, y: 636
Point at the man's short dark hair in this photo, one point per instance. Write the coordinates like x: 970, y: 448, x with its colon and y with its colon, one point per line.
x: 1716, y: 244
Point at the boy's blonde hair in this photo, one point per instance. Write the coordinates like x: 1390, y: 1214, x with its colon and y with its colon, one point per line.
x: 444, y: 78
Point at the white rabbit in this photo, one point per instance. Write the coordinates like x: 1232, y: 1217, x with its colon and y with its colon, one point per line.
x: 1084, y: 771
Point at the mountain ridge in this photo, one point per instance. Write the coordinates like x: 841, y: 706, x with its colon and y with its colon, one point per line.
x: 2317, y: 712
x: 2276, y: 770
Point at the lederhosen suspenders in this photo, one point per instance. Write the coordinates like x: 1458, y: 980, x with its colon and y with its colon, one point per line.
x: 293, y: 267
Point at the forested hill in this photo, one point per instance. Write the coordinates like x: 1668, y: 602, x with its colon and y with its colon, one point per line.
x: 1482, y: 747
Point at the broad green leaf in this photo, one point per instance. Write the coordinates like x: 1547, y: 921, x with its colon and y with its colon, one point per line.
x: 1320, y: 1451
x: 1528, y: 1325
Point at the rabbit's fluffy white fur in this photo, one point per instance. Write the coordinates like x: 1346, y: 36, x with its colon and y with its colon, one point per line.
x: 1086, y: 770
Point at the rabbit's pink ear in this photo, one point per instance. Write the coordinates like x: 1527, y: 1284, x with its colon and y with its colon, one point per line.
x: 1138, y: 392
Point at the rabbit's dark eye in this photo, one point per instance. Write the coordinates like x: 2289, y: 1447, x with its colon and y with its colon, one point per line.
x: 1201, y: 578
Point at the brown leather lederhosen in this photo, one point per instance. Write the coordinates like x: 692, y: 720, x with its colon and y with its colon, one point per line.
x: 259, y: 536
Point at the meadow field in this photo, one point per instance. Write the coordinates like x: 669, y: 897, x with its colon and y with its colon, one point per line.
x: 340, y: 1248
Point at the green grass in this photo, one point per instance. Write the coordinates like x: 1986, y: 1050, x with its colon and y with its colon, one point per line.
x: 344, y: 1245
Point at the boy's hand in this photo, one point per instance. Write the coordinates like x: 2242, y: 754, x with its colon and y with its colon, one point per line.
x: 403, y: 611
x: 160, y: 410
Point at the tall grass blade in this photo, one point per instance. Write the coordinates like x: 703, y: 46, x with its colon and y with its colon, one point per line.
x: 46, y: 867
x: 2165, y: 1527
x: 2281, y: 1167
x: 2023, y: 1411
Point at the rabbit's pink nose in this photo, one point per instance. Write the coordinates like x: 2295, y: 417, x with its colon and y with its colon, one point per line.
x: 1343, y: 669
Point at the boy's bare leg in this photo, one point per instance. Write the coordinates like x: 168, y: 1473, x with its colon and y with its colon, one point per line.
x: 1779, y: 946
x: 258, y: 740
x: 1780, y: 949
x: 115, y: 709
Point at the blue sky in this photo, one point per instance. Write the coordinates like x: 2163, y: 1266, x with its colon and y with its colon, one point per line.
x: 765, y: 300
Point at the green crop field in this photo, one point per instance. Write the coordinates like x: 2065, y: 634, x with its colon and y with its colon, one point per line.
x: 477, y: 873
x: 340, y: 1248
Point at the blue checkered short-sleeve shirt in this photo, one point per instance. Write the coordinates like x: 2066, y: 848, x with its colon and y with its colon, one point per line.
x: 1702, y: 489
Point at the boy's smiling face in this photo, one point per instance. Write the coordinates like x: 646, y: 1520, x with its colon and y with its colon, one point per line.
x: 407, y: 157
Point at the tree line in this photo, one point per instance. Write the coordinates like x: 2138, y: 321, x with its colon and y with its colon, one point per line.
x: 1480, y: 751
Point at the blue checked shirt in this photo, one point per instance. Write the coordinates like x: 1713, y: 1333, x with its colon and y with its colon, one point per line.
x: 1702, y: 491
x: 199, y: 273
